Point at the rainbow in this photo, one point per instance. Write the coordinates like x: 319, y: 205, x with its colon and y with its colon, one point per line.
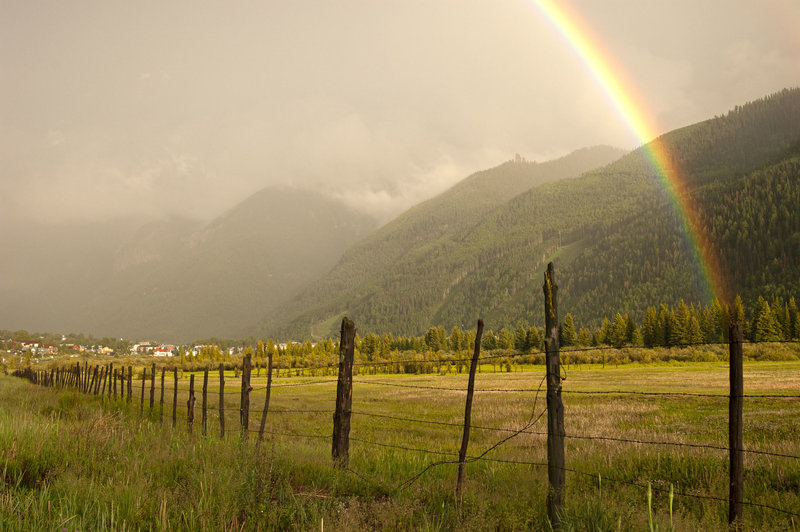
x: 623, y: 95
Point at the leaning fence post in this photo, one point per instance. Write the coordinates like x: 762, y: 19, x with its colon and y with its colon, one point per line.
x: 344, y: 396
x: 245, y: 399
x: 190, y: 403
x: 555, y: 409
x: 175, y: 397
x: 205, y: 400
x: 222, y: 401
x: 93, y: 385
x: 266, y: 401
x: 735, y: 444
x: 462, y: 453
x: 152, y: 386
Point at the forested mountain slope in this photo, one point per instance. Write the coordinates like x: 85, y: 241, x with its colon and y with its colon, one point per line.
x: 426, y: 226
x: 613, y: 234
x: 219, y: 278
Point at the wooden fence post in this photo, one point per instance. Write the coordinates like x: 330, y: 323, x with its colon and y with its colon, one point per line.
x: 190, y: 403
x: 462, y: 453
x: 152, y: 386
x: 245, y: 399
x: 266, y: 401
x: 141, y: 403
x: 115, y: 384
x: 161, y: 401
x: 222, y: 401
x: 555, y: 409
x: 130, y: 383
x: 205, y: 400
x: 735, y: 443
x: 344, y: 396
x: 175, y: 397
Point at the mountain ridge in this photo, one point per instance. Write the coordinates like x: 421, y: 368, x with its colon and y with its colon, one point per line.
x: 492, y: 268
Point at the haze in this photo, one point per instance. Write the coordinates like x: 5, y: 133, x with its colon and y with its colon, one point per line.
x: 112, y: 109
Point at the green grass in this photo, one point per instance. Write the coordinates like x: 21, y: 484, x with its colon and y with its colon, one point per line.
x: 74, y: 462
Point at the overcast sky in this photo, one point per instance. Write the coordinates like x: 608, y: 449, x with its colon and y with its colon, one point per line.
x: 109, y: 108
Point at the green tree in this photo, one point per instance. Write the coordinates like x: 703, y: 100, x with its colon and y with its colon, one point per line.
x: 618, y: 334
x: 604, y: 335
x: 505, y: 339
x: 584, y: 337
x: 521, y: 339
x: 738, y: 315
x: 435, y: 338
x: 665, y: 319
x: 694, y: 335
x: 794, y: 319
x: 533, y: 338
x: 456, y: 339
x: 678, y: 334
x: 567, y: 331
x: 489, y: 340
x: 650, y: 327
x: 765, y: 327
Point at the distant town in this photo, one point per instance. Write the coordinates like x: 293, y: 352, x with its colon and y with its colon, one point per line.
x: 34, y: 347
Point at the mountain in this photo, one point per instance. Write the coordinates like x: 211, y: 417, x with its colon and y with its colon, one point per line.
x: 614, y: 234
x: 178, y: 280
x: 368, y: 269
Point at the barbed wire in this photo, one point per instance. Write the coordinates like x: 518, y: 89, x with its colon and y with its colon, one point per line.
x: 645, y: 486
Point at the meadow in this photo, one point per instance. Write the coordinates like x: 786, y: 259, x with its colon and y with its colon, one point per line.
x: 77, y: 462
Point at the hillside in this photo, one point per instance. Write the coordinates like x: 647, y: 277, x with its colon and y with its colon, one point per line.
x: 613, y: 233
x: 424, y: 227
x: 179, y: 280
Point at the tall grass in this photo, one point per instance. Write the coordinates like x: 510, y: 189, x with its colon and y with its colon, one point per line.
x: 76, y: 462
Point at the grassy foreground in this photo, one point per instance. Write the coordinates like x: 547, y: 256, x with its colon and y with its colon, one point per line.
x: 74, y: 462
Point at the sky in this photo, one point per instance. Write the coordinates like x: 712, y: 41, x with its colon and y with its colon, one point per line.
x: 158, y: 109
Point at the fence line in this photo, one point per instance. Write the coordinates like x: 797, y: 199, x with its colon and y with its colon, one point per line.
x: 88, y: 380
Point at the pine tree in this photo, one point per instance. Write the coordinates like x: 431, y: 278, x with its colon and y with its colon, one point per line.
x: 489, y: 340
x: 650, y: 327
x: 521, y: 339
x: 567, y: 331
x: 505, y: 339
x: 794, y: 319
x: 533, y: 338
x: 584, y: 337
x: 618, y: 331
x: 665, y: 319
x: 604, y: 334
x: 693, y: 333
x: 738, y: 315
x: 765, y: 327
x: 456, y: 339
x: 636, y: 338
x: 630, y: 327
x: 432, y: 340
x: 680, y: 324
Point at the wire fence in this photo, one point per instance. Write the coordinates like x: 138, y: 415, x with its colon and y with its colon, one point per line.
x: 171, y: 397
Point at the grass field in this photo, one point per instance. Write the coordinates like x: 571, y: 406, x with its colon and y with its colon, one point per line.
x: 82, y: 463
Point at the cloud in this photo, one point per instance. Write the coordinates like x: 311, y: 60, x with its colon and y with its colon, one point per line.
x: 384, y: 204
x: 115, y: 111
